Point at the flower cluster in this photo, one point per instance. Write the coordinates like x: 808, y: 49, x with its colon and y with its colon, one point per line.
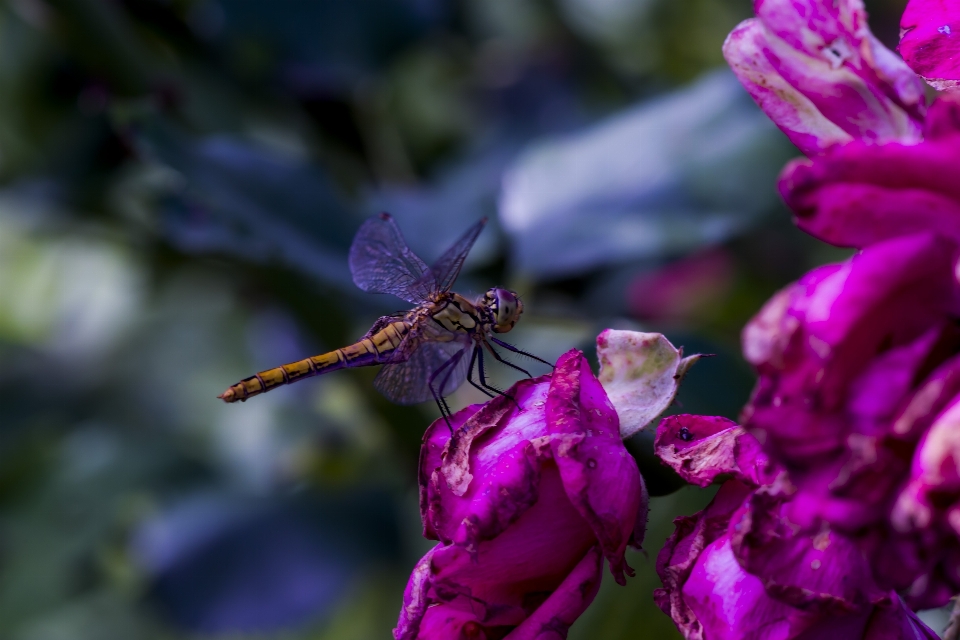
x: 856, y: 512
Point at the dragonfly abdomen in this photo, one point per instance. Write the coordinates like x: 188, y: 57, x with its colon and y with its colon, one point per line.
x: 374, y: 349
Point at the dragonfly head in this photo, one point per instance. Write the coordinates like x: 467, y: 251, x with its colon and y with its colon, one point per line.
x: 505, y: 306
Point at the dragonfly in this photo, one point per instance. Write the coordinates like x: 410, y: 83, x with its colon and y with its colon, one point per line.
x: 426, y: 352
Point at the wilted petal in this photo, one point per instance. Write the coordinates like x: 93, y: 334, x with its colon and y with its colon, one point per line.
x: 705, y: 449
x: 747, y: 50
x: 431, y: 459
x: 600, y: 477
x: 930, y: 41
x: 836, y: 32
x: 415, y: 600
x: 821, y: 570
x: 712, y: 595
x: 641, y: 373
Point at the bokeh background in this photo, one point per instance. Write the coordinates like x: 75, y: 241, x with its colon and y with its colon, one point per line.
x: 179, y: 183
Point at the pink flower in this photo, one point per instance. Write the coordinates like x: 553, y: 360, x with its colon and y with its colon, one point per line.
x: 742, y: 570
x: 930, y: 41
x: 817, y: 72
x: 526, y: 499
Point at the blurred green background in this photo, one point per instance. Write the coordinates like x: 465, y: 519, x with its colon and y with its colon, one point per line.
x: 181, y: 180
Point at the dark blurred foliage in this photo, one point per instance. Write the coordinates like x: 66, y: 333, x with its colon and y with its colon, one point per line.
x: 181, y: 180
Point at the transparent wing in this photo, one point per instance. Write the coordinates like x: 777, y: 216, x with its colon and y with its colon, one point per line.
x: 446, y: 364
x: 381, y: 262
x: 446, y: 269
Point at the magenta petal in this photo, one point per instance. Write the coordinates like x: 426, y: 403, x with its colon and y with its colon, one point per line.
x: 824, y: 570
x: 820, y: 75
x: 504, y: 472
x: 431, y: 458
x: 552, y: 619
x: 906, y: 282
x: 711, y: 594
x: 747, y: 51
x: 503, y: 580
x: 679, y: 555
x: 858, y: 194
x: 879, y: 390
x: 837, y: 32
x: 767, y: 335
x: 601, y: 478
x: 930, y: 41
x: 858, y: 215
x: 943, y: 118
x: 415, y: 599
x: 708, y: 449
x: 732, y: 604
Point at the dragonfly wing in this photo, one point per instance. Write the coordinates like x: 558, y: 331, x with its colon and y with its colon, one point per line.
x: 445, y: 364
x: 381, y: 262
x: 446, y: 269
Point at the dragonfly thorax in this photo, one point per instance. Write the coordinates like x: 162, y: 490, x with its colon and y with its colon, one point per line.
x: 504, y: 306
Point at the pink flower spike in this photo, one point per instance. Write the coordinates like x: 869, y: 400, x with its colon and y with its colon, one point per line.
x: 930, y: 41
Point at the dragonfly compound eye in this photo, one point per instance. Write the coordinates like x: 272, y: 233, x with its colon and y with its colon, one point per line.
x: 506, y: 309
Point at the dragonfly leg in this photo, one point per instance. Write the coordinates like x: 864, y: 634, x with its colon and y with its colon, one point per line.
x: 473, y: 362
x: 444, y: 408
x: 510, y: 347
x: 483, y: 380
x: 499, y: 358
x: 438, y: 393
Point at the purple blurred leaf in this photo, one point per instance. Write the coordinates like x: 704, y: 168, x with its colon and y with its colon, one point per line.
x: 664, y: 177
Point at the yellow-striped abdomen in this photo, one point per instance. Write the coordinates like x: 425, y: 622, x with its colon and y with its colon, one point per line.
x: 370, y: 350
